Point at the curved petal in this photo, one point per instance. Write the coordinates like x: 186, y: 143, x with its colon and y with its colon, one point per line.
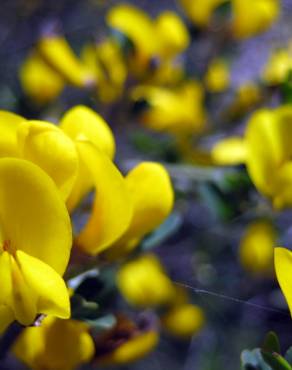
x: 112, y: 207
x: 283, y: 267
x: 9, y: 123
x: 47, y: 284
x: 81, y: 121
x: 6, y: 318
x: 47, y: 146
x: 33, y: 216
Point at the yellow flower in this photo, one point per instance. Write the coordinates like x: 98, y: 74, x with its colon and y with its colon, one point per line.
x: 40, y: 82
x: 184, y: 320
x: 267, y: 153
x: 251, y: 17
x: 277, y: 67
x: 126, y: 342
x: 177, y: 110
x: 256, y: 249
x: 35, y: 244
x: 106, y: 61
x: 144, y: 283
x: 200, y: 12
x: 57, y: 53
x: 217, y: 78
x: 283, y: 265
x: 55, y: 345
x: 152, y: 194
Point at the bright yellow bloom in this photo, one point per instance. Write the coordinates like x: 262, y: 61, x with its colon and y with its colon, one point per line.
x: 184, y: 320
x: 144, y: 283
x: 39, y: 81
x: 256, y: 249
x: 267, y: 153
x: 152, y: 195
x: 200, y: 12
x: 35, y: 244
x: 217, y: 78
x: 177, y: 110
x: 283, y: 265
x: 229, y: 151
x: 57, y: 53
x: 251, y: 17
x: 277, y: 67
x: 55, y: 345
x: 9, y: 123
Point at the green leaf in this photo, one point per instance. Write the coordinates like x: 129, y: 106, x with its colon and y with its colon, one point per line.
x: 253, y: 360
x: 276, y: 361
x: 271, y: 343
x: 288, y: 355
x: 163, y: 232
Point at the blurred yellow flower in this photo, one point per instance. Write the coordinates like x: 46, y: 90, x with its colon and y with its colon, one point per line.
x: 251, y: 17
x: 256, y: 249
x: 217, y: 78
x: 40, y: 82
x: 55, y: 345
x: 152, y: 194
x: 35, y: 244
x: 176, y: 110
x: 144, y: 283
x: 267, y: 153
x: 126, y: 342
x: 283, y: 265
x: 277, y: 67
x: 184, y: 320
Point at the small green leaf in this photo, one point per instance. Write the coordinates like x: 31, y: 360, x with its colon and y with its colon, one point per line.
x: 81, y: 309
x: 276, y: 361
x: 163, y: 232
x: 271, y: 343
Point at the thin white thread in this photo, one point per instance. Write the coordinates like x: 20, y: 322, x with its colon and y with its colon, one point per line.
x: 232, y: 299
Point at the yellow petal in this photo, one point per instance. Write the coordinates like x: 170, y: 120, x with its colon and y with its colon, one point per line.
x: 253, y: 16
x: 40, y: 82
x: 217, y: 78
x: 57, y: 53
x: 6, y: 318
x: 47, y: 284
x: 229, y: 151
x: 9, y: 123
x: 152, y: 193
x: 81, y: 121
x: 33, y: 216
x: 112, y: 206
x: 47, y: 146
x: 172, y: 33
x: 283, y: 267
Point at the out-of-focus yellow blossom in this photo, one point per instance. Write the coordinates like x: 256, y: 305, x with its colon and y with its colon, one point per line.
x: 177, y: 110
x: 40, y: 82
x: 35, y: 244
x: 251, y: 17
x: 277, y: 67
x: 184, y: 320
x: 106, y: 62
x: 55, y: 345
x: 217, y: 78
x: 268, y: 153
x: 283, y: 265
x: 152, y: 194
x: 247, y: 96
x: 162, y: 38
x: 144, y: 283
x: 125, y: 343
x: 9, y: 123
x: 256, y: 249
x: 57, y: 53
x: 200, y: 12
x: 229, y: 151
